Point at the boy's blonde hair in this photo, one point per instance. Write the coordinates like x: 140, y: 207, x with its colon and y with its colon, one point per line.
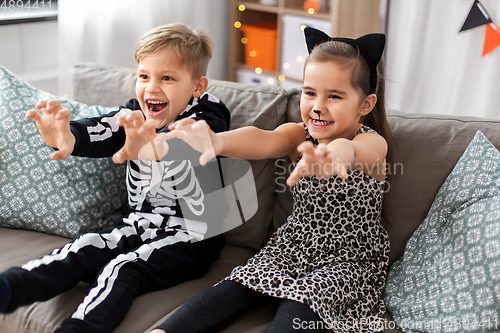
x: 193, y: 48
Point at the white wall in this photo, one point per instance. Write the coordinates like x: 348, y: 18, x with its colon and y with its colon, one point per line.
x: 30, y: 50
x: 43, y: 53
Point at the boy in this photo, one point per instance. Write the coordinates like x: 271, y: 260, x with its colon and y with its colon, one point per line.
x: 151, y: 248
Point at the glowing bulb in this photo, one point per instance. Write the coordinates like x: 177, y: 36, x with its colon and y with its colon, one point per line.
x: 281, y: 77
x: 303, y: 26
x: 310, y: 11
x: 299, y: 58
x: 286, y: 65
x: 252, y: 54
x: 241, y: 8
x: 237, y: 24
x: 258, y: 70
x: 244, y: 40
x: 270, y: 80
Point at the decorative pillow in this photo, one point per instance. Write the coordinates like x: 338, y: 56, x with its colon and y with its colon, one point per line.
x: 65, y: 198
x: 448, y: 279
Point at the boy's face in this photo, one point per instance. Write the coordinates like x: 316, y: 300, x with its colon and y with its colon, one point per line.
x: 164, y: 87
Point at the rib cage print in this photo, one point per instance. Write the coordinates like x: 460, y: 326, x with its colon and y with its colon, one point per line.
x: 160, y: 184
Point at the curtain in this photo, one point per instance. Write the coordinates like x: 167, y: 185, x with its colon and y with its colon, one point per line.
x: 106, y: 31
x: 432, y: 68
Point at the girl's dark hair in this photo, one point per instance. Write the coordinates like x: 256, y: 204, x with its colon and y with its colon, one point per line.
x: 348, y: 56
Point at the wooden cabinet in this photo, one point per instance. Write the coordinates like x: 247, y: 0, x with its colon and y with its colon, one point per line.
x: 347, y: 18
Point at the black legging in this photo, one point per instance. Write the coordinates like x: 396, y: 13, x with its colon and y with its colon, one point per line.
x: 215, y: 308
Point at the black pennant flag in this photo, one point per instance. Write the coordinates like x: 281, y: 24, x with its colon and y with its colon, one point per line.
x: 477, y: 17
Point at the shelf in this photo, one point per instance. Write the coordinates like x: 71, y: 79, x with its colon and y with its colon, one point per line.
x: 299, y: 12
x: 250, y: 5
x: 348, y: 18
x: 255, y: 6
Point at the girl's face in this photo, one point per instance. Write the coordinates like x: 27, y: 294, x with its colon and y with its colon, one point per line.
x: 330, y: 106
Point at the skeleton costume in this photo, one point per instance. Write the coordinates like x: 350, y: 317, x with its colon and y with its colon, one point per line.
x: 149, y: 249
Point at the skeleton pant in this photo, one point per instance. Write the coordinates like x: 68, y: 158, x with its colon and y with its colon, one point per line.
x: 121, y: 262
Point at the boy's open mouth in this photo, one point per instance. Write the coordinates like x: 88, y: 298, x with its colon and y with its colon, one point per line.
x: 155, y: 106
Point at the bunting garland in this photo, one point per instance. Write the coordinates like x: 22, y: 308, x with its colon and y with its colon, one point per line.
x: 478, y: 17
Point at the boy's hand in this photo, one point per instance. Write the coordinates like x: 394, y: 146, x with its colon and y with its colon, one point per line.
x: 139, y: 135
x: 53, y: 125
x: 317, y: 161
x: 198, y: 135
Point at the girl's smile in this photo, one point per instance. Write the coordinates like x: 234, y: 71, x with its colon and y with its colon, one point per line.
x: 317, y: 123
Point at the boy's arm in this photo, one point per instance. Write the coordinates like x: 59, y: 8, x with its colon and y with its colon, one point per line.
x: 208, y: 108
x: 100, y: 136
x: 54, y: 127
x: 140, y: 133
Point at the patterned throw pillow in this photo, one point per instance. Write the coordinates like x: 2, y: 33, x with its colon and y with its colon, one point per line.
x: 65, y: 198
x: 449, y: 277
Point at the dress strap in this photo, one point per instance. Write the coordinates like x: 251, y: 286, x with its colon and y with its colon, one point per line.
x: 309, y: 137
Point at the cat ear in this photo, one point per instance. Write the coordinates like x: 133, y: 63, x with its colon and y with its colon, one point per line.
x: 372, y: 47
x: 315, y: 37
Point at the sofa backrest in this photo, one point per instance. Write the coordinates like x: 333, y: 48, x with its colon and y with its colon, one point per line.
x: 264, y: 107
x: 428, y: 148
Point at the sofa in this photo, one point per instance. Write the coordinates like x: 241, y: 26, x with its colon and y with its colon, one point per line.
x: 428, y: 147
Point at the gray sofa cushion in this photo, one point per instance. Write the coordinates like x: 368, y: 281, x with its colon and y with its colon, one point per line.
x: 116, y: 85
x: 264, y: 107
x: 429, y: 148
x: 19, y: 246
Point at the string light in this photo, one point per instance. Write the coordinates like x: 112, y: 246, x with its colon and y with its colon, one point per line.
x: 258, y: 70
x: 270, y: 80
x: 237, y: 24
x: 241, y: 8
x: 281, y: 77
x: 244, y: 40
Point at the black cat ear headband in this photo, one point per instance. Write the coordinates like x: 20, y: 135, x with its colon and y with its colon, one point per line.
x: 370, y: 46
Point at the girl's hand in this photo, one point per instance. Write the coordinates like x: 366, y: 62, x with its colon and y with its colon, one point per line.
x: 139, y: 135
x: 198, y: 135
x: 53, y: 125
x: 320, y: 161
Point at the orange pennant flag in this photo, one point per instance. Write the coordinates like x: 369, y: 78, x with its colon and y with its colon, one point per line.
x: 491, y: 38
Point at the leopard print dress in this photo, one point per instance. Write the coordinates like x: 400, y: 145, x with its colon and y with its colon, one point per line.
x: 332, y: 252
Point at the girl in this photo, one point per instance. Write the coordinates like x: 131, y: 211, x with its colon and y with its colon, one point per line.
x: 328, y: 261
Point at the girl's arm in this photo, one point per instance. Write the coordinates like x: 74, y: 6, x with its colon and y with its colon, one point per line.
x: 246, y: 142
x: 255, y: 144
x: 365, y: 152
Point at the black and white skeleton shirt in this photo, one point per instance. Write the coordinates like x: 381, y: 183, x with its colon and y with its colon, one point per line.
x: 164, y: 192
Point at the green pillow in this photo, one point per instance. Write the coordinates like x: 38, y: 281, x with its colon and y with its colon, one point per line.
x: 448, y: 279
x: 65, y: 198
